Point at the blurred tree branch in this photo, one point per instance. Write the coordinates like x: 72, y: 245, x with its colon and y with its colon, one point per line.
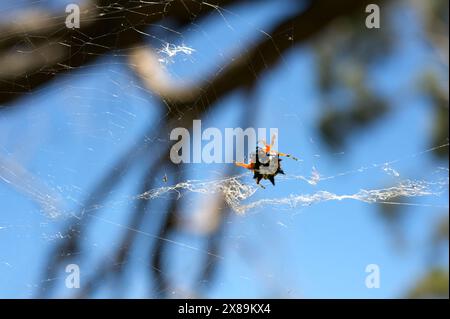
x: 73, y: 49
x: 105, y: 26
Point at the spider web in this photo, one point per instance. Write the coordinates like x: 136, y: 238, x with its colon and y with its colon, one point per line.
x: 236, y: 190
x: 92, y: 114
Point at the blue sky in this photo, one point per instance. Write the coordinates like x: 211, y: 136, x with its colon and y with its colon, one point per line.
x: 69, y: 133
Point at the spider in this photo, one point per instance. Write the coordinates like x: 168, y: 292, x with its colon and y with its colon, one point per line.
x: 265, y: 162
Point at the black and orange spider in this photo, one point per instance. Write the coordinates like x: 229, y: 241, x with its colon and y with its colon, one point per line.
x: 265, y: 162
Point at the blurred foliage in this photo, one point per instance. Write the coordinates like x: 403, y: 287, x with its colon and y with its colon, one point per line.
x: 435, y: 20
x: 441, y: 233
x: 343, y: 58
x: 393, y: 215
x: 351, y: 104
x: 337, y: 125
x: 434, y: 284
x: 438, y: 96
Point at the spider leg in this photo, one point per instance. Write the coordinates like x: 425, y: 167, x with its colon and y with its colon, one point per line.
x: 272, y: 142
x: 247, y: 166
x: 287, y: 155
x: 258, y: 179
